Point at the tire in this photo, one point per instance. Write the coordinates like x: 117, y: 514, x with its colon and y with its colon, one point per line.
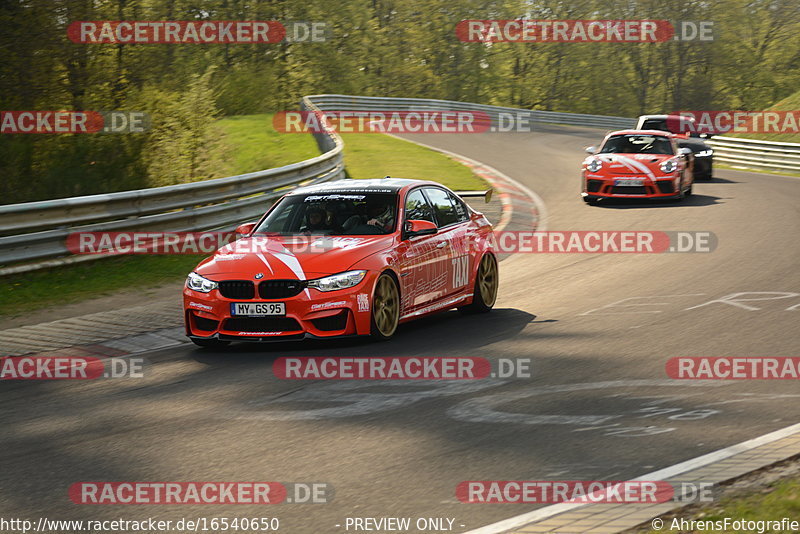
x: 590, y: 201
x: 487, y: 280
x: 689, y: 191
x: 681, y: 194
x: 708, y: 175
x: 385, y: 314
x: 211, y: 343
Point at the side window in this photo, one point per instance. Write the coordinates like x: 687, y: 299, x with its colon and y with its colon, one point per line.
x: 442, y: 206
x: 417, y: 207
x: 462, y: 212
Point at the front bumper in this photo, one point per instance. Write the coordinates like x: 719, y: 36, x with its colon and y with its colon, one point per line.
x: 605, y: 187
x: 311, y: 313
x: 704, y: 167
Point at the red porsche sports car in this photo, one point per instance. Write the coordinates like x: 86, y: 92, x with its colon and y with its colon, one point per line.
x: 351, y: 257
x: 637, y: 164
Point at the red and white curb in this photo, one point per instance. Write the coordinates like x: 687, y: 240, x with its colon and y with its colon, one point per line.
x: 522, y: 208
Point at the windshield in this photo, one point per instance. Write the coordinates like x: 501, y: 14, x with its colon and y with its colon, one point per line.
x: 332, y: 213
x: 655, y: 124
x: 637, y: 144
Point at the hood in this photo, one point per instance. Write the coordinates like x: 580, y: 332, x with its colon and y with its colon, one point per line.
x: 289, y: 257
x: 639, y: 164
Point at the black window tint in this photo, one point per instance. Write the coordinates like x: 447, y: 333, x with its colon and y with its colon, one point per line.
x: 655, y: 124
x: 442, y: 206
x: 333, y: 212
x: 417, y: 207
x: 637, y: 144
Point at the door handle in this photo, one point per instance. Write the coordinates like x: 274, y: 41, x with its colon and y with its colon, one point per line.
x: 441, y: 244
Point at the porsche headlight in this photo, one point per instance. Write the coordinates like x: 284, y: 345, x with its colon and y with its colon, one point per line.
x: 669, y: 166
x: 594, y: 165
x: 337, y: 281
x: 199, y: 283
x: 704, y: 153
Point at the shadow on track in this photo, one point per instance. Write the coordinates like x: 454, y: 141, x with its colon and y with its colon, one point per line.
x: 718, y: 180
x: 692, y: 201
x: 443, y: 333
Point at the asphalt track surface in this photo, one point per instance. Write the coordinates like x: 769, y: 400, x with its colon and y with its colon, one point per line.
x: 400, y: 449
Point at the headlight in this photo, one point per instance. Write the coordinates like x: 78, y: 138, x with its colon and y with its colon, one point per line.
x: 337, y: 281
x: 669, y: 166
x: 199, y: 283
x: 704, y: 153
x: 594, y: 165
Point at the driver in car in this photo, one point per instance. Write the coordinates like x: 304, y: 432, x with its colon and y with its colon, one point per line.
x: 380, y: 215
x: 315, y: 221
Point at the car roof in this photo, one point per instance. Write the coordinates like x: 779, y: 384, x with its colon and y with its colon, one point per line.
x: 379, y: 185
x: 662, y: 117
x: 660, y: 133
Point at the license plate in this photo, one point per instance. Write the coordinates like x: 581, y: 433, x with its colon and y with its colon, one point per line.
x: 629, y: 183
x: 258, y: 309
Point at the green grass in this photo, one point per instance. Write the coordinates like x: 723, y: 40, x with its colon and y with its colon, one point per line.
x: 779, y: 499
x: 254, y: 145
x: 27, y: 292
x: 376, y: 156
x: 790, y: 103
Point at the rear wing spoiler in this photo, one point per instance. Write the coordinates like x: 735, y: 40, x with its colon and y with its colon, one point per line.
x: 487, y: 195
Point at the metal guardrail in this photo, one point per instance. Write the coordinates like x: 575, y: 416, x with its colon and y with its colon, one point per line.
x: 738, y: 152
x: 756, y: 154
x: 33, y: 233
x: 377, y: 103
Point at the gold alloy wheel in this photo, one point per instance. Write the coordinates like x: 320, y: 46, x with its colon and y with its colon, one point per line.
x: 386, y: 306
x: 487, y: 280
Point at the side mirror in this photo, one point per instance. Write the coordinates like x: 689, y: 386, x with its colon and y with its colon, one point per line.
x: 685, y: 152
x: 415, y: 228
x: 246, y: 228
x: 591, y: 149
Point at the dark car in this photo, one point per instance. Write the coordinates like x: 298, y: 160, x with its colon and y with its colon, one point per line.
x: 702, y: 153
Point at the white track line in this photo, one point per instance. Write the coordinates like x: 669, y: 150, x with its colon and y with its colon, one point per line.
x: 661, y: 474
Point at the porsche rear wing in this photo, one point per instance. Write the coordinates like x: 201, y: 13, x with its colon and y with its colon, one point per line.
x: 487, y: 195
